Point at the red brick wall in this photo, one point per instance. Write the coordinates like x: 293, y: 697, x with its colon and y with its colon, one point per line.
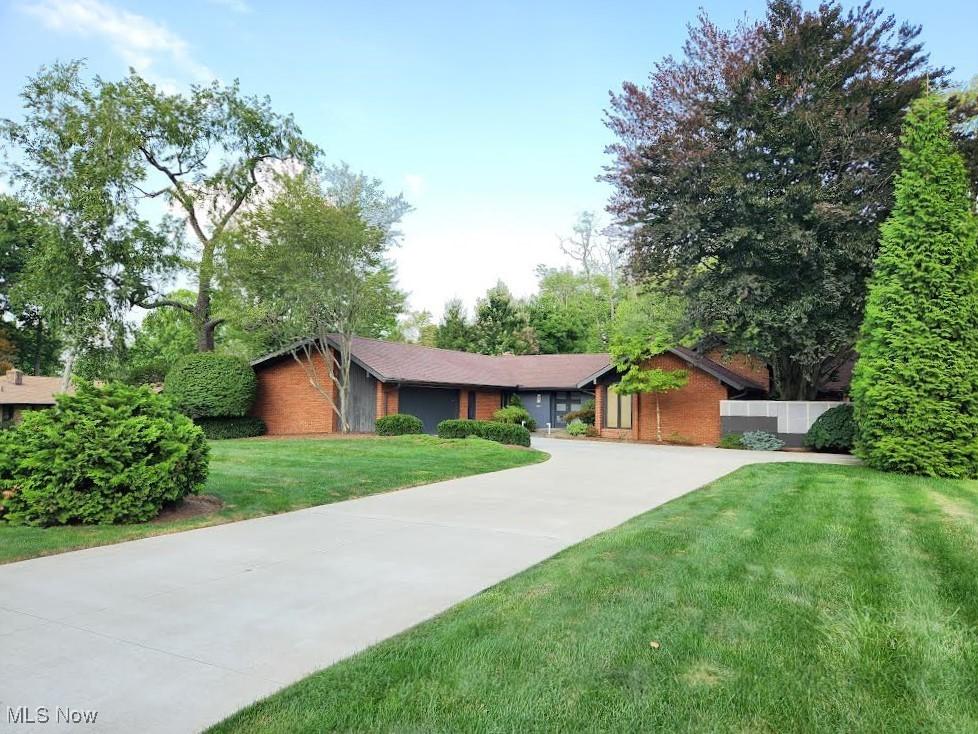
x: 742, y: 364
x: 689, y: 414
x: 288, y: 403
x: 387, y: 399
x: 487, y: 402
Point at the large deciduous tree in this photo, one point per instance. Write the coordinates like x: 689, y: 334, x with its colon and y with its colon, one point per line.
x: 96, y: 152
x: 314, y: 274
x: 915, y: 386
x: 755, y: 171
x: 29, y: 339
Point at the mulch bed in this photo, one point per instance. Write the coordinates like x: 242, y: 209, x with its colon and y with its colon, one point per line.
x: 192, y: 506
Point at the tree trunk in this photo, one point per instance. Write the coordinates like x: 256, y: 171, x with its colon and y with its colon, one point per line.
x: 38, y: 345
x: 202, y: 308
x: 658, y: 420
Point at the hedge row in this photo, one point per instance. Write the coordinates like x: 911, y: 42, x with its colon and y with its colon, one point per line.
x: 243, y: 427
x: 490, y: 430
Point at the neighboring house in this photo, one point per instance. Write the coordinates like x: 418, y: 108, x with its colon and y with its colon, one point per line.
x: 437, y: 384
x: 20, y: 392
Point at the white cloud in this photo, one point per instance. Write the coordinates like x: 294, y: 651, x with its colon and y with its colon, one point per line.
x: 414, y: 183
x: 236, y: 6
x: 142, y: 42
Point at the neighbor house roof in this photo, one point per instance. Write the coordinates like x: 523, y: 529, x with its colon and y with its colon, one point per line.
x: 16, y: 388
x: 413, y: 363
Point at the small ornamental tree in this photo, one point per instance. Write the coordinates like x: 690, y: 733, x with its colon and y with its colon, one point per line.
x: 915, y: 386
x: 629, y: 357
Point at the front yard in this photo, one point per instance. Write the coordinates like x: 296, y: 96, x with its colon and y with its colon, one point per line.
x: 262, y: 477
x: 784, y: 597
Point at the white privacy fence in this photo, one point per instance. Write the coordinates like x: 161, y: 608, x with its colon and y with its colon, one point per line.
x: 792, y: 416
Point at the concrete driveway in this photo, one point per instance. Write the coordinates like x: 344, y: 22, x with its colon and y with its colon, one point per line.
x: 173, y: 633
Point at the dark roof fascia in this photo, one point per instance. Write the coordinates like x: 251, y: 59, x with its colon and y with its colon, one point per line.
x: 700, y: 362
x: 593, y: 378
x: 302, y: 342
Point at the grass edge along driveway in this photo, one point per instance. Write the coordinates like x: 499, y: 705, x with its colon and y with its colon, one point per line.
x: 256, y: 477
x: 782, y: 597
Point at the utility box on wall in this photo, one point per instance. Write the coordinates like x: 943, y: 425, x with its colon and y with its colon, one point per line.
x: 788, y: 419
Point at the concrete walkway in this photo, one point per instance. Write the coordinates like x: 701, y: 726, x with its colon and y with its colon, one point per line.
x: 173, y: 633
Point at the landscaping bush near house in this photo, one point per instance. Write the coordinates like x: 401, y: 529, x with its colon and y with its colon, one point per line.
x: 517, y: 415
x: 398, y: 424
x: 731, y: 441
x: 244, y: 427
x: 761, y: 441
x: 585, y: 414
x: 211, y: 385
x: 491, y: 430
x: 834, y: 430
x: 107, y: 454
x: 577, y: 427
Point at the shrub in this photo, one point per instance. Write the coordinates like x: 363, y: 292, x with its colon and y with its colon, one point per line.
x: 761, y: 441
x: 585, y: 414
x: 834, y: 430
x: 244, y: 427
x: 517, y: 415
x: 103, y: 455
x: 491, y: 430
x: 515, y: 400
x: 731, y: 441
x: 209, y: 385
x: 915, y: 384
x: 577, y: 427
x: 398, y: 424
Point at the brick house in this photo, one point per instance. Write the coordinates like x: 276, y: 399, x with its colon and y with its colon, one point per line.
x: 20, y: 392
x: 436, y: 384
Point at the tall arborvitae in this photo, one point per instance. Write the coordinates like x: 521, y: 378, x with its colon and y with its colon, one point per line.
x: 915, y: 387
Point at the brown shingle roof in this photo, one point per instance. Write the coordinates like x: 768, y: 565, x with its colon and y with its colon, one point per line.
x: 413, y: 363
x: 31, y: 391
x: 399, y: 362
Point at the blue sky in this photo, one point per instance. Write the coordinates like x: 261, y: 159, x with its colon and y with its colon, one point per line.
x: 487, y: 115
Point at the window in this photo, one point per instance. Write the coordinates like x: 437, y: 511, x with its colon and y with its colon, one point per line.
x: 8, y: 413
x: 471, y: 407
x: 618, y: 409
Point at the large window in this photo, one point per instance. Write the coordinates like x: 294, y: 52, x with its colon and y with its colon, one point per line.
x: 618, y: 409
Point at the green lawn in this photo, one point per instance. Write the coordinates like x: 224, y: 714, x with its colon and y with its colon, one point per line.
x: 785, y: 597
x: 262, y: 477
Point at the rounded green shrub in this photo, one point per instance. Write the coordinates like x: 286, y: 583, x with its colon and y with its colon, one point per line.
x: 398, y: 424
x: 209, y: 385
x: 577, y: 427
x: 245, y: 426
x: 491, y: 430
x: 761, y: 441
x: 834, y: 430
x: 517, y: 415
x: 111, y: 454
x: 585, y: 414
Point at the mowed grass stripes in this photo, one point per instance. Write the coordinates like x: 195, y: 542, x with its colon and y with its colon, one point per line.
x: 783, y: 597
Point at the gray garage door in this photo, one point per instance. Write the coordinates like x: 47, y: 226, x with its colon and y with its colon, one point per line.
x: 432, y: 405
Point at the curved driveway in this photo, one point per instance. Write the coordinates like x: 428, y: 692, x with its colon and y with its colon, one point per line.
x: 172, y: 633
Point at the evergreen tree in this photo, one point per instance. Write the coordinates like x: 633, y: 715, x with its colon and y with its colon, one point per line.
x: 915, y: 387
x: 454, y: 331
x: 502, y: 324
